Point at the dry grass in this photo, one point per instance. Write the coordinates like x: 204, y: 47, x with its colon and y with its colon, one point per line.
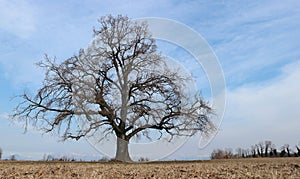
x: 235, y: 168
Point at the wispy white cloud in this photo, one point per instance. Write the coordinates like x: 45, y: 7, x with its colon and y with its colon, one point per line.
x: 252, y: 37
x: 17, y: 17
x: 263, y: 111
x: 247, y: 38
x: 4, y: 115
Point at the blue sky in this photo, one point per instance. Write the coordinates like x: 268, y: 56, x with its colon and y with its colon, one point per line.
x: 256, y: 42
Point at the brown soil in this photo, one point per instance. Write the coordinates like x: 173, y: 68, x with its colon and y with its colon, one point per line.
x: 234, y: 168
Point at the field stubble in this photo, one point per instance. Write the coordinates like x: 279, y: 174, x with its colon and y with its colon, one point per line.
x: 233, y: 168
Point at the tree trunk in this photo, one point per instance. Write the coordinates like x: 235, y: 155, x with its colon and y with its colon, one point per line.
x: 122, y: 153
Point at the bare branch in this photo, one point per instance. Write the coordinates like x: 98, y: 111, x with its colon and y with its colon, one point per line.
x: 120, y: 84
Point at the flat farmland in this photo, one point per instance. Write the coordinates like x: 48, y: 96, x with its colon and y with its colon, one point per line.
x: 233, y: 168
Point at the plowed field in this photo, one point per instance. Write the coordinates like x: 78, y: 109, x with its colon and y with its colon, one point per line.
x: 234, y: 168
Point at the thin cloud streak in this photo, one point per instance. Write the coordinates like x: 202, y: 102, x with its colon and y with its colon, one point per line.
x: 264, y: 111
x: 258, y: 112
x: 253, y: 37
x: 17, y: 17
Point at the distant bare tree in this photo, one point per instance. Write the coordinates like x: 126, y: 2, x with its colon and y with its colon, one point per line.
x: 143, y: 159
x: 48, y: 157
x: 222, y: 154
x: 248, y: 152
x: 217, y: 154
x: 258, y: 150
x: 298, y: 151
x: 273, y: 151
x: 287, y: 147
x: 120, y: 85
x: 268, y: 145
x: 261, y: 148
x: 239, y: 152
x: 282, y: 153
x: 253, y: 151
x: 228, y: 153
x: 12, y: 157
x: 0, y: 153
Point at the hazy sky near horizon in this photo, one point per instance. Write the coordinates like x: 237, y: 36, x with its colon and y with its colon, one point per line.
x: 256, y: 42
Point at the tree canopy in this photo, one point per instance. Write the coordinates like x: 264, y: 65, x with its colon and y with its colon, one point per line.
x: 120, y: 84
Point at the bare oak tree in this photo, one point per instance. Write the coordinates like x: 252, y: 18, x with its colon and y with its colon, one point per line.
x: 119, y: 85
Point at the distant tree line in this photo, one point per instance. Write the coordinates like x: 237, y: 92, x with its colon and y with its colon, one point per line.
x: 61, y: 159
x: 12, y: 157
x: 48, y: 158
x: 262, y: 149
